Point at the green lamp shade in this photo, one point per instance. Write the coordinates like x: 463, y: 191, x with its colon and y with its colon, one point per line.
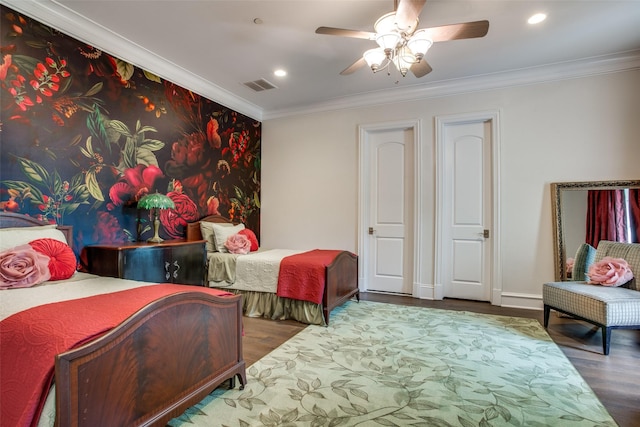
x: 157, y: 201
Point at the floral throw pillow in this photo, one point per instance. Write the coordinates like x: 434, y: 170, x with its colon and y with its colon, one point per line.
x: 22, y: 267
x: 238, y: 244
x: 610, y: 272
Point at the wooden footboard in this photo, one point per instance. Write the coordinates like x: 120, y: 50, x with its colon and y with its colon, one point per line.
x: 152, y: 367
x: 341, y: 282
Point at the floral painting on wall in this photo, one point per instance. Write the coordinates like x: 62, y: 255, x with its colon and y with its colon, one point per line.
x: 85, y: 135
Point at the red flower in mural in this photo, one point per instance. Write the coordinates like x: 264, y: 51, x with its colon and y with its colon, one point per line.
x: 188, y: 151
x: 4, y: 67
x: 212, y: 206
x: 135, y: 183
x: 175, y: 220
x: 212, y: 134
x: 107, y: 229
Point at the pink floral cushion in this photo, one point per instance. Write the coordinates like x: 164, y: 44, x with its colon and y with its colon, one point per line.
x: 610, y: 272
x: 252, y: 238
x: 63, y: 263
x: 22, y: 267
x: 238, y: 244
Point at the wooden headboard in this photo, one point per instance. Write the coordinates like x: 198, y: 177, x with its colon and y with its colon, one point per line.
x: 193, y: 228
x: 10, y: 220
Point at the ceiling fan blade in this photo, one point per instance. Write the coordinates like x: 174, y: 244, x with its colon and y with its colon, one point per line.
x: 408, y: 11
x: 353, y: 67
x: 421, y: 68
x: 466, y: 30
x: 346, y: 33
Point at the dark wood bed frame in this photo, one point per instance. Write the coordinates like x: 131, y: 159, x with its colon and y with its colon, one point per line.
x: 163, y: 359
x: 341, y: 276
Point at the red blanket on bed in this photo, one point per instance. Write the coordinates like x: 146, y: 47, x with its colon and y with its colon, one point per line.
x: 302, y: 276
x: 30, y: 339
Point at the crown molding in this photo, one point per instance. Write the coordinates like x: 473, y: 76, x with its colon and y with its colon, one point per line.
x: 57, y: 16
x: 52, y: 13
x: 624, y: 61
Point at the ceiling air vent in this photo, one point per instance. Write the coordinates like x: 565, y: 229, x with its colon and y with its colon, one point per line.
x: 260, y: 85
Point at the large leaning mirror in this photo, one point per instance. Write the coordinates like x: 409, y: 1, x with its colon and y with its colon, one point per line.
x: 575, y: 206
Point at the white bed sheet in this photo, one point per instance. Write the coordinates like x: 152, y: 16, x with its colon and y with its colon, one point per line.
x: 79, y: 286
x: 257, y: 271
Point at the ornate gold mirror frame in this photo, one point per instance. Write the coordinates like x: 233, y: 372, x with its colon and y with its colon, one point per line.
x: 561, y: 218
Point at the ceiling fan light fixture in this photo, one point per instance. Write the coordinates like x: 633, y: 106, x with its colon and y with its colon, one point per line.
x: 388, y: 41
x: 374, y: 58
x: 386, y: 24
x: 419, y: 44
x: 403, y: 60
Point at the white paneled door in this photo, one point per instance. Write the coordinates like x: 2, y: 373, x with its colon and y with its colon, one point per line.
x: 466, y: 210
x: 389, y: 239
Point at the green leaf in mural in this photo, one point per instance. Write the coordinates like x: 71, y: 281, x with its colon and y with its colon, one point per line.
x: 33, y: 171
x: 129, y: 154
x: 146, y: 157
x: 37, y: 44
x: 66, y: 84
x: 96, y: 88
x: 152, y: 144
x: 25, y: 63
x: 145, y: 129
x: 95, y: 124
x: 120, y: 127
x: 75, y: 140
x: 124, y: 69
x: 91, y: 181
x: 152, y: 76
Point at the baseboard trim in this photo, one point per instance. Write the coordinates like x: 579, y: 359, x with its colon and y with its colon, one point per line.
x: 525, y: 301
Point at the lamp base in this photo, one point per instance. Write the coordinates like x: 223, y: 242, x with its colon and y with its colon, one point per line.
x: 156, y: 225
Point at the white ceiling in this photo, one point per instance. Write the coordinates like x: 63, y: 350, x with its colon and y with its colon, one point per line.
x: 213, y: 47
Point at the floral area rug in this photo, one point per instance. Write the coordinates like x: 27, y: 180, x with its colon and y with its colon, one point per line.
x: 387, y: 365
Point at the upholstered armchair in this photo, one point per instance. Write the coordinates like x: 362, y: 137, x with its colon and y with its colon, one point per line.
x: 608, y: 307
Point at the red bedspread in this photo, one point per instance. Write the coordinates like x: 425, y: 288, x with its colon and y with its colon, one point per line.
x: 30, y: 340
x: 302, y: 276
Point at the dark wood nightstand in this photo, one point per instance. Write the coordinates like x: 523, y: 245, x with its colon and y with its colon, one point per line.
x: 172, y: 261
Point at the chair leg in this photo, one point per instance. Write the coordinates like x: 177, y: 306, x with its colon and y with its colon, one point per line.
x: 606, y: 340
x: 547, y: 310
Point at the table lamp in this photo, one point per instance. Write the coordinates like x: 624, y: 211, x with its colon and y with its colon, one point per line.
x: 155, y: 202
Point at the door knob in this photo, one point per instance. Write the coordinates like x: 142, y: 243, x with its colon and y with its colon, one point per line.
x: 371, y: 230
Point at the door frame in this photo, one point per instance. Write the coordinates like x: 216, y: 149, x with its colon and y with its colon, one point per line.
x: 364, y: 191
x: 495, y: 275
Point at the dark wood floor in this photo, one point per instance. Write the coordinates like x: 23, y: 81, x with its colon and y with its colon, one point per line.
x: 615, y: 378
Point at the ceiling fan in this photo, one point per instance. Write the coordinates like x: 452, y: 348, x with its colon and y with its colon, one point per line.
x: 401, y: 42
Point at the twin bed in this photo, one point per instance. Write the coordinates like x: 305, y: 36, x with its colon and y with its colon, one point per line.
x: 261, y: 278
x: 163, y: 350
x: 146, y: 366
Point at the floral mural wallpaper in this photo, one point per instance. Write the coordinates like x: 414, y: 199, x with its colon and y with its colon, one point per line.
x: 85, y: 135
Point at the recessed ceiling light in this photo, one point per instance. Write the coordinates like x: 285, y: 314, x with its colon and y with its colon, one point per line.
x: 280, y: 73
x: 537, y: 18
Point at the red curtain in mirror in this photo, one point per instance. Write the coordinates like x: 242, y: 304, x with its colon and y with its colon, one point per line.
x: 634, y: 210
x: 605, y: 216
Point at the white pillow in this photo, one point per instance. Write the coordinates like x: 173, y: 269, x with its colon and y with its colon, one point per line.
x: 206, y: 229
x: 221, y: 234
x: 16, y: 236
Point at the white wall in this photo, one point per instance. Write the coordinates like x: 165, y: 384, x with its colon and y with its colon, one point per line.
x: 572, y: 130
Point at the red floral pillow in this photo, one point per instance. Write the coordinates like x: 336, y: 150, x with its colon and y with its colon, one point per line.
x: 252, y: 238
x: 62, y: 263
